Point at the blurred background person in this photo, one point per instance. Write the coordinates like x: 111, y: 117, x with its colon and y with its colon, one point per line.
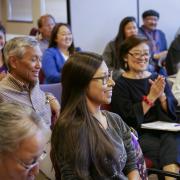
x: 60, y: 48
x: 99, y: 142
x: 140, y: 96
x: 45, y: 25
x: 3, y: 68
x: 22, y: 142
x: 127, y: 27
x: 173, y: 57
x: 176, y: 87
x: 157, y: 40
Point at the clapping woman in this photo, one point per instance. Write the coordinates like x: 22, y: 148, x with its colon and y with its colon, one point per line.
x: 139, y: 97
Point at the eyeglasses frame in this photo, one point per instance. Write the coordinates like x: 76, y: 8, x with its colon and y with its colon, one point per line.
x: 105, y: 78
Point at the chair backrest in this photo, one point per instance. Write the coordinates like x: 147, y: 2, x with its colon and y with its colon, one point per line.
x: 55, y: 89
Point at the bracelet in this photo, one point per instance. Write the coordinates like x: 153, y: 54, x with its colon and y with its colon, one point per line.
x: 147, y: 101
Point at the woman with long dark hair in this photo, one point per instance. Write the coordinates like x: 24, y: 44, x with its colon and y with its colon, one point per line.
x: 88, y: 143
x: 127, y: 28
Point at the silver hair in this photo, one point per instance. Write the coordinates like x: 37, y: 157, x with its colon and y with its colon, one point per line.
x: 17, y: 47
x: 16, y: 124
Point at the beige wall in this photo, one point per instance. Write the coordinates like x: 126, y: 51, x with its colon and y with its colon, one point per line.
x: 21, y: 27
x: 0, y: 10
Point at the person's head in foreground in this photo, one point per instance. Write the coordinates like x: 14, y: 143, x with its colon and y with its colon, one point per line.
x: 22, y: 142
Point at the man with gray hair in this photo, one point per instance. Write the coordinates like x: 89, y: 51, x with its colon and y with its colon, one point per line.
x: 21, y: 85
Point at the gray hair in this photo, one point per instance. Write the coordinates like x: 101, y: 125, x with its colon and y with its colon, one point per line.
x: 16, y: 124
x: 17, y: 47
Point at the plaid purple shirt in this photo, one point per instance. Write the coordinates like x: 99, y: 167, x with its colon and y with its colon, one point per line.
x: 13, y: 90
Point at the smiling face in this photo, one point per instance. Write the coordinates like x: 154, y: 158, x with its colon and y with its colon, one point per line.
x: 138, y: 58
x: 27, y: 153
x: 100, y: 92
x: 130, y: 29
x: 150, y: 22
x: 27, y: 68
x: 64, y: 37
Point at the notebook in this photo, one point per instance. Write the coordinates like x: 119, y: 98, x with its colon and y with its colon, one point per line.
x: 161, y: 125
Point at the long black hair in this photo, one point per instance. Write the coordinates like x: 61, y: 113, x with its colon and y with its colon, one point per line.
x: 120, y: 37
x: 78, y: 137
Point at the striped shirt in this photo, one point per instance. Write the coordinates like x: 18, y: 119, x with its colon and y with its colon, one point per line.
x: 13, y: 90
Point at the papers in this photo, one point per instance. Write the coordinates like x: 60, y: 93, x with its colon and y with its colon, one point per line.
x: 160, y: 125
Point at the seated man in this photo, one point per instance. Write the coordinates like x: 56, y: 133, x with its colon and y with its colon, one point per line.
x: 157, y: 39
x: 21, y: 85
x: 45, y: 25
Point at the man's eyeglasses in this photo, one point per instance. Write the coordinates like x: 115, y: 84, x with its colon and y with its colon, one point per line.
x: 34, y: 163
x: 105, y: 78
x: 139, y: 55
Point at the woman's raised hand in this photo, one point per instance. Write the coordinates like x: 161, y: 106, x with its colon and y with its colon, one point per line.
x: 157, y: 88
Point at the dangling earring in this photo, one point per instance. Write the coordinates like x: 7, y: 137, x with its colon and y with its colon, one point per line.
x: 125, y: 65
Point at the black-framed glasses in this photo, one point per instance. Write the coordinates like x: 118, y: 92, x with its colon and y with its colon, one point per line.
x: 105, y: 78
x: 137, y: 55
x: 33, y: 164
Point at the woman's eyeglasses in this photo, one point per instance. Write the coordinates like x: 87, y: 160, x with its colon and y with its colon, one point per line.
x: 34, y: 163
x: 140, y: 55
x: 105, y: 78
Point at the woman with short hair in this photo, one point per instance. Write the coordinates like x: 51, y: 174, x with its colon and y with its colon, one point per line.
x: 140, y: 96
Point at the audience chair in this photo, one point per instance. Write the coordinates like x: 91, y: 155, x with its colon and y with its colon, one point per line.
x: 55, y: 89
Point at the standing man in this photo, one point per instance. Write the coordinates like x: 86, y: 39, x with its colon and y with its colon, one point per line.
x: 158, y: 43
x: 45, y: 25
x: 21, y: 85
